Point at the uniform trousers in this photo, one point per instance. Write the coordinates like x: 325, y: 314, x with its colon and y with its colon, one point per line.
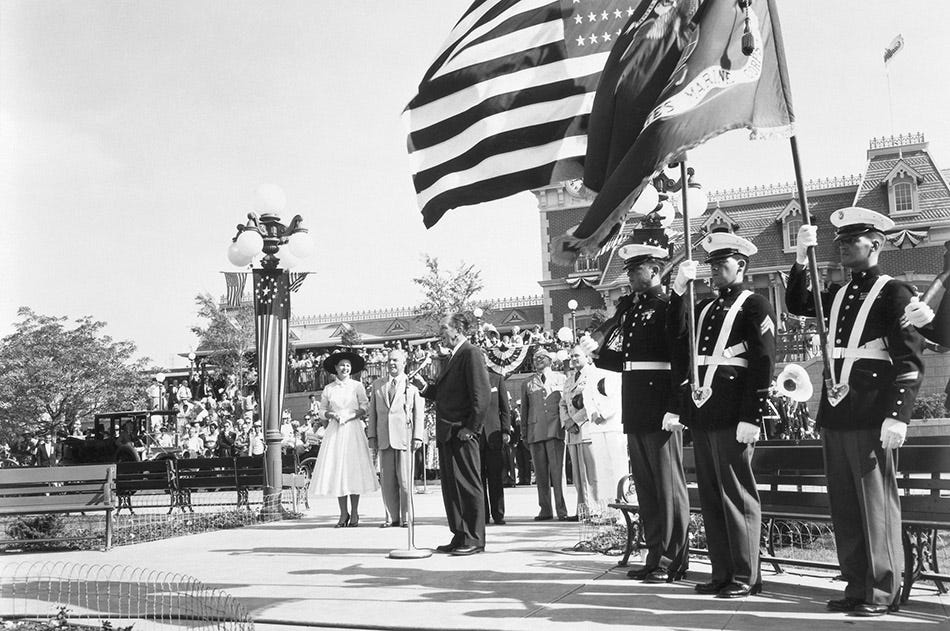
x: 395, y: 482
x: 732, y: 515
x: 460, y: 473
x: 656, y: 459
x: 493, y: 480
x: 548, y: 458
x: 865, y: 511
x: 585, y: 474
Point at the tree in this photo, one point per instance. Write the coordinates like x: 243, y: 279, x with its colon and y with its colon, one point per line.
x: 52, y: 375
x: 228, y: 336
x: 445, y: 292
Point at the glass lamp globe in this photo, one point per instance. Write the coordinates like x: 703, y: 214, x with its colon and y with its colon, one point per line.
x: 237, y: 257
x: 565, y: 334
x: 300, y: 245
x: 270, y: 199
x: 697, y: 199
x: 572, y: 304
x: 286, y: 257
x: 647, y: 200
x: 477, y: 312
x: 249, y: 243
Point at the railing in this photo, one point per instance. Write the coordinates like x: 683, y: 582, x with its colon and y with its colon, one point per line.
x: 796, y: 346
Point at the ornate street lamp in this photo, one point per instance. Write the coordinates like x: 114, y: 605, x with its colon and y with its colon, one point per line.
x: 572, y: 305
x: 277, y: 247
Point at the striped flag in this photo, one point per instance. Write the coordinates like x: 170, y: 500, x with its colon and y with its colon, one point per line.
x: 896, y: 45
x: 505, y: 105
x: 296, y: 280
x: 235, y: 282
x: 272, y: 315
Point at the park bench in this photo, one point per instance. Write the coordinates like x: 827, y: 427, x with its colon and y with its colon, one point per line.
x: 59, y: 490
x: 792, y: 489
x: 150, y: 475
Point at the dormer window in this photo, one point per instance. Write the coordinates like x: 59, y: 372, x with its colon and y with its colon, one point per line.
x: 903, y: 184
x: 790, y: 220
x: 585, y: 264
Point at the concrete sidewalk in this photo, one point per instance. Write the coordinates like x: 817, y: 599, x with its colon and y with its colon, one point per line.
x: 306, y: 573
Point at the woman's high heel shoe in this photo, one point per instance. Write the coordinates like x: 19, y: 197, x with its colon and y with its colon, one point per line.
x: 354, y: 521
x: 344, y: 521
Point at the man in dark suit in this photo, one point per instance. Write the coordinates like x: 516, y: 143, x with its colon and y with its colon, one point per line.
x: 494, y: 436
x: 878, y: 370
x: 461, y: 395
x: 735, y: 340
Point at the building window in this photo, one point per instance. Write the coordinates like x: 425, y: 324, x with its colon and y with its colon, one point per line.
x: 903, y: 197
x: 792, y: 224
x: 586, y: 263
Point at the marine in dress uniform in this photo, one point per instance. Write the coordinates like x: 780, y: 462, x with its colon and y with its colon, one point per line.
x: 735, y: 340
x: 493, y: 439
x: 878, y: 363
x: 637, y: 344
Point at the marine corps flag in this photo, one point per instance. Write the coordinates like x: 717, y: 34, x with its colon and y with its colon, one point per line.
x: 731, y: 74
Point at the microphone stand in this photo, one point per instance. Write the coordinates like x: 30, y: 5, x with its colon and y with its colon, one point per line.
x: 411, y: 551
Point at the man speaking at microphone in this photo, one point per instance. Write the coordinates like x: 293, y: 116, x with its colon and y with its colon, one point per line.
x: 461, y: 395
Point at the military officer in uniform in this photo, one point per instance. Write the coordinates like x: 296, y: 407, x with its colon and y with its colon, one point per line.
x: 637, y: 344
x: 878, y: 370
x: 735, y: 355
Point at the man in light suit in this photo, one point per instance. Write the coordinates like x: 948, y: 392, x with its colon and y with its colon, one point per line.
x: 461, y: 395
x: 541, y: 418
x: 396, y: 418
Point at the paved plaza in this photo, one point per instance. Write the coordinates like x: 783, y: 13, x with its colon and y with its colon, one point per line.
x: 308, y: 574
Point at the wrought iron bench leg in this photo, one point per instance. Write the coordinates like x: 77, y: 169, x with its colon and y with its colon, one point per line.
x: 631, y: 538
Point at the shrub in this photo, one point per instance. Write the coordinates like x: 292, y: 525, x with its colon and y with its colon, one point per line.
x: 38, y: 527
x: 930, y: 406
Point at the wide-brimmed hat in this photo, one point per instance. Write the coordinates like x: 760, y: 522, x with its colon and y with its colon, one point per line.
x: 357, y: 362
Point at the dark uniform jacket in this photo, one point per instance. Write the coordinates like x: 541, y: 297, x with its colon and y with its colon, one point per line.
x: 739, y: 393
x: 498, y: 418
x: 878, y: 389
x: 638, y: 333
x: 460, y: 393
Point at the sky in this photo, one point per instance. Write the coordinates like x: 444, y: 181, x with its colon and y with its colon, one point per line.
x: 133, y: 134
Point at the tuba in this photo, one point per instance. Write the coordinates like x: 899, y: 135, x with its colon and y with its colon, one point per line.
x: 793, y: 382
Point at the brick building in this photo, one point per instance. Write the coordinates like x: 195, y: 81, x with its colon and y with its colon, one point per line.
x: 901, y: 179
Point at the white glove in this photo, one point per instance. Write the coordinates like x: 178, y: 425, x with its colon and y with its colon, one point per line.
x: 671, y: 422
x: 893, y: 433
x: 917, y: 314
x: 807, y: 236
x: 685, y: 273
x: 747, y: 433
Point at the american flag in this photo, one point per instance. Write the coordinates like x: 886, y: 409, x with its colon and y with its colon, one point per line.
x: 296, y: 280
x: 272, y: 314
x: 235, y: 282
x: 505, y: 105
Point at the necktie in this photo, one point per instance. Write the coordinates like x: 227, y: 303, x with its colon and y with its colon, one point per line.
x: 392, y: 390
x: 543, y: 378
x: 577, y: 376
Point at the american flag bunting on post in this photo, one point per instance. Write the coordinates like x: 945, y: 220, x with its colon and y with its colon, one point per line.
x: 504, y: 107
x: 235, y: 282
x: 272, y: 313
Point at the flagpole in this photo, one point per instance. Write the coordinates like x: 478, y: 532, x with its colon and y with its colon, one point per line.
x: 690, y: 289
x: 828, y: 372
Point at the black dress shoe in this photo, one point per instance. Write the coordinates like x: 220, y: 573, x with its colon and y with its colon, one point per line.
x: 739, y: 590
x: 465, y: 551
x: 567, y: 518
x: 843, y: 604
x: 870, y: 610
x: 664, y: 575
x: 500, y: 522
x: 544, y: 518
x: 447, y: 548
x: 640, y: 573
x: 711, y: 587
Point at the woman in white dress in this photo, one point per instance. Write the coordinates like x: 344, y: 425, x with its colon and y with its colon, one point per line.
x: 344, y: 465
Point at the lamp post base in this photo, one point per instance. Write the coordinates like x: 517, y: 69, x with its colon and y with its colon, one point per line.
x: 411, y: 553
